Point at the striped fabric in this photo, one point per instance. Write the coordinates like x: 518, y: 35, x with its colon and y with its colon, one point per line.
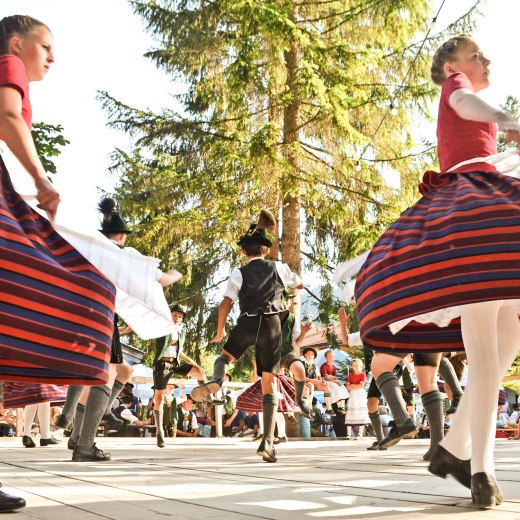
x: 18, y: 395
x: 458, y: 244
x: 250, y: 400
x: 56, y: 309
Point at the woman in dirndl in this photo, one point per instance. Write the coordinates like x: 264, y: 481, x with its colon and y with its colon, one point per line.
x: 446, y: 275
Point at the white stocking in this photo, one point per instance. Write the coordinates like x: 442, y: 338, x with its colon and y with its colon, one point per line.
x: 491, y: 335
x: 44, y: 418
x: 29, y: 413
x: 280, y: 424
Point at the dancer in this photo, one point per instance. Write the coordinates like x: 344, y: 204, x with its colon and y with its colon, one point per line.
x: 357, y: 412
x: 258, y: 286
x: 40, y: 272
x: 455, y: 281
x: 170, y: 360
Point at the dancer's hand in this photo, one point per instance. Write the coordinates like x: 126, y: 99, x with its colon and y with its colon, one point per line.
x: 47, y: 196
x: 306, y: 327
x: 219, y: 336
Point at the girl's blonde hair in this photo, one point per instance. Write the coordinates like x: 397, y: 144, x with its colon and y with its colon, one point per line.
x: 16, y: 24
x: 358, y: 360
x: 445, y: 53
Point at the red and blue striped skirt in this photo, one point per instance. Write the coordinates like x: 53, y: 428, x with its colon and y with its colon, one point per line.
x: 251, y: 399
x: 459, y: 244
x: 18, y: 395
x: 56, y: 309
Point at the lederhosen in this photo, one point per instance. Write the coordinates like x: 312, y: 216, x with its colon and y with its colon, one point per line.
x: 261, y: 313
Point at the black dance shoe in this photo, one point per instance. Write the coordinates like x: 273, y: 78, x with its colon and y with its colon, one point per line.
x: 28, y: 442
x: 485, y: 491
x: 397, y: 433
x: 454, y: 404
x: 200, y: 393
x: 94, y: 454
x: 267, y: 453
x: 305, y: 411
x: 112, y: 420
x: 48, y: 442
x: 429, y: 454
x: 279, y: 440
x: 443, y: 463
x: 62, y: 421
x: 9, y: 502
x: 374, y: 446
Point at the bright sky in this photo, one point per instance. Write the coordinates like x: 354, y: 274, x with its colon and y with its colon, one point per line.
x: 99, y: 45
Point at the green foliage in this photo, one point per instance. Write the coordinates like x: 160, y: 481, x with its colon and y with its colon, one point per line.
x: 281, y: 100
x: 47, y: 138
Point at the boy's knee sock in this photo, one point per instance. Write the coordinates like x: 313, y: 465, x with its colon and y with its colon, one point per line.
x: 389, y: 387
x: 94, y: 410
x: 375, y: 420
x: 220, y: 368
x: 72, y: 400
x: 447, y: 372
x: 158, y: 416
x: 299, y: 387
x: 269, y: 408
x: 432, y: 402
x: 78, y: 421
x: 116, y: 390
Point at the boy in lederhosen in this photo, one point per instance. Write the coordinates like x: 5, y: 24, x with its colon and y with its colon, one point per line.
x: 258, y: 286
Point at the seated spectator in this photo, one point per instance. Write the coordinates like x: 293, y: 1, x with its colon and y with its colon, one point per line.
x: 170, y: 404
x: 187, y: 425
x: 238, y: 424
x: 320, y: 425
x: 251, y: 425
x: 513, y: 418
x: 131, y: 427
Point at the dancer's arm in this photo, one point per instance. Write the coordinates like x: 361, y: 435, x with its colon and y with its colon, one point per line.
x: 17, y: 136
x: 223, y: 313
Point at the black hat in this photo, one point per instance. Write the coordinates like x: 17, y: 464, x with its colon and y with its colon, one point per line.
x: 309, y: 349
x: 260, y: 233
x: 177, y: 307
x: 112, y: 222
x: 287, y: 294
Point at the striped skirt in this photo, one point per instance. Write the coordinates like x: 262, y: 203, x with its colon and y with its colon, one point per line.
x: 459, y: 244
x: 250, y: 400
x: 56, y: 309
x: 18, y: 395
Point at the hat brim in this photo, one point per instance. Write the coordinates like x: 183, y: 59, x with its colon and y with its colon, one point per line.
x: 255, y: 240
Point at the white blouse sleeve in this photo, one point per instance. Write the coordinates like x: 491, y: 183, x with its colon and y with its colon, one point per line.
x: 234, y: 285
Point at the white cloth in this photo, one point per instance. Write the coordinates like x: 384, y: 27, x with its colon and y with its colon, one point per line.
x: 140, y: 299
x: 354, y: 339
x: 357, y: 411
x: 171, y: 351
x: 337, y: 392
x: 129, y: 416
x: 469, y: 106
x: 234, y: 284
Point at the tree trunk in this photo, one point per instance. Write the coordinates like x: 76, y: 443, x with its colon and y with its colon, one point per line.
x: 291, y: 201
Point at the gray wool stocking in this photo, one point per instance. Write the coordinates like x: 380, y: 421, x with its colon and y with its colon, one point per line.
x: 158, y: 417
x: 432, y: 402
x: 116, y: 390
x: 375, y: 420
x: 220, y: 368
x: 447, y: 372
x: 388, y: 384
x: 269, y: 409
x: 78, y: 421
x: 299, y: 387
x: 94, y: 410
x: 71, y: 402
